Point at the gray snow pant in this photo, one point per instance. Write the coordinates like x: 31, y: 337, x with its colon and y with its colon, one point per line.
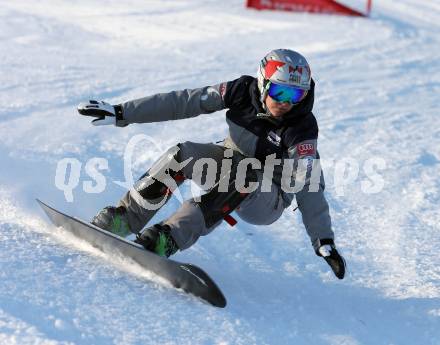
x: 187, y: 223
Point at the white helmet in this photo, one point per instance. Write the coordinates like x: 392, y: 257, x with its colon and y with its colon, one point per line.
x: 283, y: 67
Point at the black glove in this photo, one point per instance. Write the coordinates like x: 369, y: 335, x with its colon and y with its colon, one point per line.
x: 328, y: 251
x: 105, y: 113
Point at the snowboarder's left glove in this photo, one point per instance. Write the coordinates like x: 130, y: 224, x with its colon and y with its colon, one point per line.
x: 328, y: 251
x: 105, y: 113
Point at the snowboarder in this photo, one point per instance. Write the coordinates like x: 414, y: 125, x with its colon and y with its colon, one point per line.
x: 270, y: 122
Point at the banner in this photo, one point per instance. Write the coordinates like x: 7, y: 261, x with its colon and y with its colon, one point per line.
x: 314, y: 6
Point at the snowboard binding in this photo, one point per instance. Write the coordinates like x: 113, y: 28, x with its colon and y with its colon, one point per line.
x: 157, y: 239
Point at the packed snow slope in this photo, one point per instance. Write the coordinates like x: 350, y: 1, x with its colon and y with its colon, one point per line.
x: 377, y: 97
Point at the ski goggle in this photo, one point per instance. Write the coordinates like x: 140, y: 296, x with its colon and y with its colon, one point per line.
x: 286, y: 93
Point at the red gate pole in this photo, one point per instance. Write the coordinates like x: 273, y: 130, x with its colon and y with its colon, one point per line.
x: 369, y: 7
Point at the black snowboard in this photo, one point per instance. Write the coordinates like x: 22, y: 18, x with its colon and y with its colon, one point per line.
x: 187, y: 277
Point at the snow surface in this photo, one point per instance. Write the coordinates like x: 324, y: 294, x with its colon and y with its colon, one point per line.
x: 378, y: 86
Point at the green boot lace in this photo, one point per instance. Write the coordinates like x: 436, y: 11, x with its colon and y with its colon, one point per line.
x: 120, y: 226
x: 165, y: 245
x: 114, y: 220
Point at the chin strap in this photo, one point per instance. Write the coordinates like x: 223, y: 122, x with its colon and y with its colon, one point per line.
x: 268, y: 117
x: 263, y: 97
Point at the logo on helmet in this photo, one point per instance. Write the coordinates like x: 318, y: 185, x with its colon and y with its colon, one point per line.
x: 299, y: 75
x: 295, y: 79
x: 271, y: 67
x: 296, y: 69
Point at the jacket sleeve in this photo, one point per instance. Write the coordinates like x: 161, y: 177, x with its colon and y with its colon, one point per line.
x: 174, y: 105
x: 310, y: 198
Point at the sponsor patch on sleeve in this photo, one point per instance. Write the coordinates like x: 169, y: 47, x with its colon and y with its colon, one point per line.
x: 306, y: 149
x: 222, y: 90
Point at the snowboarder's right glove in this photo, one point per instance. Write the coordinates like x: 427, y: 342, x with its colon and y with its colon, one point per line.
x: 328, y: 251
x: 105, y: 113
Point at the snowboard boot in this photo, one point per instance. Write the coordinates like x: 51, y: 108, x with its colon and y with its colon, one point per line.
x: 157, y: 239
x: 114, y: 220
